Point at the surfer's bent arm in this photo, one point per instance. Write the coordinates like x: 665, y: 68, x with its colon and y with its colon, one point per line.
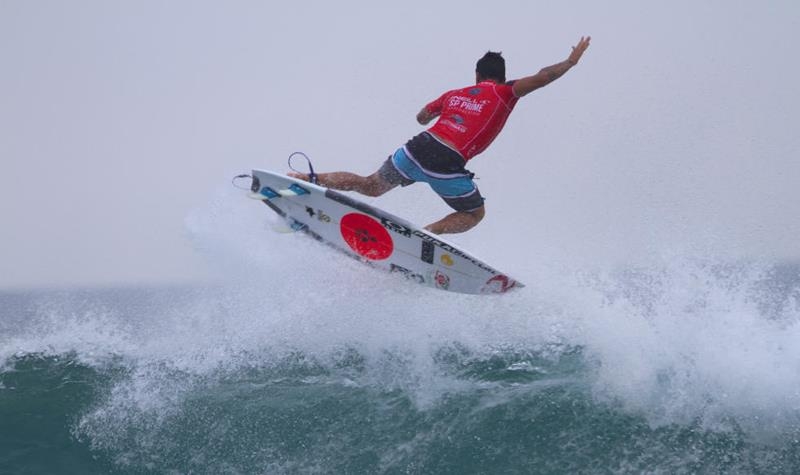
x: 424, y: 116
x: 549, y: 74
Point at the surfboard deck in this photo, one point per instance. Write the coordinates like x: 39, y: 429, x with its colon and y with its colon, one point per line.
x: 376, y: 237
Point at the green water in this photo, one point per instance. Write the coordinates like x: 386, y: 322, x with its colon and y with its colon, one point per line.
x: 649, y: 378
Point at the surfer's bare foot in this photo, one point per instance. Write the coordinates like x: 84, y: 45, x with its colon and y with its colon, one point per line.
x: 299, y: 176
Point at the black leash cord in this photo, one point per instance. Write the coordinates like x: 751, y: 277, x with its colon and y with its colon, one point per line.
x: 239, y: 177
x: 312, y: 177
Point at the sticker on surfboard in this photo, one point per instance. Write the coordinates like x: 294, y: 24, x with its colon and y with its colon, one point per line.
x: 383, y: 240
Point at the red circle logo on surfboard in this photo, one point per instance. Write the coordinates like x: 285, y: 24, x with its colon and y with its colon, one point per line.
x: 366, y: 236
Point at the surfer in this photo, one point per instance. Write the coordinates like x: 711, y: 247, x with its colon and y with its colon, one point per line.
x: 469, y: 120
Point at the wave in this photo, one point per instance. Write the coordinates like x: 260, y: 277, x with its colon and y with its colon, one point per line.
x: 301, y: 359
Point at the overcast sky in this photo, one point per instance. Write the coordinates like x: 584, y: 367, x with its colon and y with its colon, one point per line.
x: 118, y: 119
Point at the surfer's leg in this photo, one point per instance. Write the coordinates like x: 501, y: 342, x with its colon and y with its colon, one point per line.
x: 372, y: 185
x: 461, y: 194
x: 457, y: 222
x: 383, y: 180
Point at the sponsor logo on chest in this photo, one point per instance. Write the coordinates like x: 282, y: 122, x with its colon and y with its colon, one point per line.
x: 467, y: 104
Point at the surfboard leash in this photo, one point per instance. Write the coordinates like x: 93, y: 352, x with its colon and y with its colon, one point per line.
x: 239, y: 177
x: 312, y: 177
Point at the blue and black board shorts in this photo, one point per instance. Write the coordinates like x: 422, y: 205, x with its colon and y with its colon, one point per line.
x: 425, y: 159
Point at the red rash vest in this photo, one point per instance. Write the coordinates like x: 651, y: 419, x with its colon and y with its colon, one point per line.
x: 470, y: 118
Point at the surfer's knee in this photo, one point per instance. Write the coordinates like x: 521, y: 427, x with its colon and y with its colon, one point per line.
x: 471, y: 218
x: 457, y: 222
x: 474, y: 217
x: 477, y: 214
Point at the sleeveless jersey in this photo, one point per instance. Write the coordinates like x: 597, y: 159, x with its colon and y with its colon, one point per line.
x: 470, y: 118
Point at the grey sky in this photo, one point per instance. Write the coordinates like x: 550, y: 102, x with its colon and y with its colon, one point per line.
x: 678, y: 129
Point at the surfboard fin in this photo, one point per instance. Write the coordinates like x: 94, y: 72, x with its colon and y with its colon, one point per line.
x: 297, y: 189
x: 268, y: 193
x: 288, y: 225
x: 265, y: 193
x: 281, y: 227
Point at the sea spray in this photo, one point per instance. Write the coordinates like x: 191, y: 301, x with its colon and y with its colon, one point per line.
x: 683, y: 365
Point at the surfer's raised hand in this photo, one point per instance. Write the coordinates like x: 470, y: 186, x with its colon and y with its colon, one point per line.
x: 577, y: 50
x: 550, y: 73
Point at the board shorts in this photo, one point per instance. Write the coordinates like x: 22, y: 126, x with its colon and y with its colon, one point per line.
x: 425, y: 159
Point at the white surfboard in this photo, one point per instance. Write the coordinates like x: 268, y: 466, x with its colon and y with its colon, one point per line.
x: 377, y: 237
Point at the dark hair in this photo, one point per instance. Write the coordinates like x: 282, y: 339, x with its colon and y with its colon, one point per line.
x: 492, y: 66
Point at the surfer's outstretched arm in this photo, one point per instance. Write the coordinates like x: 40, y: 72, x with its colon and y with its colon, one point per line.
x: 549, y: 74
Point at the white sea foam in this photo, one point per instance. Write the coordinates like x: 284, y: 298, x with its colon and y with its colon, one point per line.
x: 684, y: 341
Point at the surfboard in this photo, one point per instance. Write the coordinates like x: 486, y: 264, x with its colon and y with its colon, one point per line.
x: 378, y: 238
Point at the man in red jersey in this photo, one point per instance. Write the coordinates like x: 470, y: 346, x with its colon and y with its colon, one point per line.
x: 469, y: 120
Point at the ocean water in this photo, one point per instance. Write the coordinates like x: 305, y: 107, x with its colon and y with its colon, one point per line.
x: 691, y: 365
